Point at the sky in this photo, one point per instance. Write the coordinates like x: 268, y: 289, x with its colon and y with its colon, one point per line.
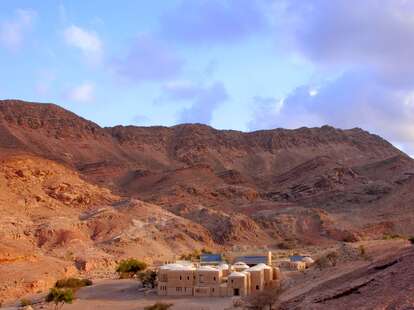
x: 232, y: 64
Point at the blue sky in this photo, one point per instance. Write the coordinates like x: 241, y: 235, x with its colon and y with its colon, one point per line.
x: 233, y: 64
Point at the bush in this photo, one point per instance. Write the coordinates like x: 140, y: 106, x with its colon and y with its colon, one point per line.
x: 195, y: 255
x: 332, y: 257
x: 265, y: 299
x: 148, y: 278
x: 130, y: 267
x: 328, y: 260
x: 363, y: 252
x: 322, y: 262
x: 159, y: 306
x: 74, y: 283
x: 391, y: 237
x: 60, y: 296
x: 25, y: 302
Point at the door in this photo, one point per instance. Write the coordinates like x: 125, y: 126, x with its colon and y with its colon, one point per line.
x: 236, y: 292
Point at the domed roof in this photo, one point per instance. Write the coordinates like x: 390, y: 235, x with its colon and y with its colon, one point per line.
x: 236, y: 274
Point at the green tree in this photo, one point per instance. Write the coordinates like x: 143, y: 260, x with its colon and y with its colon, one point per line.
x: 73, y: 283
x: 148, y: 278
x: 130, y: 267
x: 60, y: 297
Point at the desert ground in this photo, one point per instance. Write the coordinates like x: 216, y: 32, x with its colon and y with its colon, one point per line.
x: 128, y: 294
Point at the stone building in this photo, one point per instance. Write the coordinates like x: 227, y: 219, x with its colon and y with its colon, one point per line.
x: 222, y: 280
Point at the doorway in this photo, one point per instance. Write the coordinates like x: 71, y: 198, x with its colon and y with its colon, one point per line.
x: 236, y: 292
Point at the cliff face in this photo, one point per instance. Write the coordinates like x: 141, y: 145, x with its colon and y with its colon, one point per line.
x: 52, y: 132
x: 159, y: 191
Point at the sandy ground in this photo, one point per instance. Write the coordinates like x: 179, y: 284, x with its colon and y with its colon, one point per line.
x: 125, y: 295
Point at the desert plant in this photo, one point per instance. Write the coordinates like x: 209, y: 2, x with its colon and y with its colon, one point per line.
x: 332, y: 257
x: 60, y: 297
x: 148, y: 278
x: 266, y: 298
x: 130, y: 267
x: 73, y: 283
x: 25, y: 302
x: 327, y: 260
x: 159, y: 306
x: 391, y: 236
x: 195, y: 255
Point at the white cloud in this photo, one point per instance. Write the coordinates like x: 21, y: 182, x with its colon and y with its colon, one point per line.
x: 13, y: 32
x: 87, y: 41
x: 364, y: 52
x: 82, y: 93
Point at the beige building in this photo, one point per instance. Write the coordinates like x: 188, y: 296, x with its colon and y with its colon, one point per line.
x: 185, y: 279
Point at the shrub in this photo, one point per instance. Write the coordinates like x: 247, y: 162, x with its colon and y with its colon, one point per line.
x: 332, y: 257
x: 264, y: 299
x: 148, y: 278
x: 74, y: 283
x: 322, y: 262
x: 130, y: 267
x: 60, y: 296
x: 287, y: 245
x: 195, y: 255
x: 159, y: 306
x: 327, y: 260
x: 391, y: 237
x: 25, y: 302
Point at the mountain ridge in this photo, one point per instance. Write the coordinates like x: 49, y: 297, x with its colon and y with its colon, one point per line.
x: 123, y: 189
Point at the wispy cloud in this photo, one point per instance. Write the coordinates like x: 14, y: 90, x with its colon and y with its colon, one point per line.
x: 82, y: 93
x: 204, y: 99
x: 13, y: 31
x: 88, y: 42
x: 148, y: 59
x: 372, y: 44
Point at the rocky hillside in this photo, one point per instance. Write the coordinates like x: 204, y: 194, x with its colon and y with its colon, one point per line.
x: 384, y: 284
x: 53, y: 224
x: 75, y: 195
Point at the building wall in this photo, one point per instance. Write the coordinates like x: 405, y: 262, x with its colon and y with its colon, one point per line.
x: 208, y: 277
x: 238, y: 283
x: 176, y: 282
x: 257, y: 280
x: 205, y: 282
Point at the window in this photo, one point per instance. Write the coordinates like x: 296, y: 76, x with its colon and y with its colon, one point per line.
x: 180, y: 278
x: 188, y: 278
x: 257, y: 287
x: 214, y: 278
x: 212, y: 289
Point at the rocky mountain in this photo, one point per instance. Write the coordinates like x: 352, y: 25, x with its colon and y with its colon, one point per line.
x: 75, y: 194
